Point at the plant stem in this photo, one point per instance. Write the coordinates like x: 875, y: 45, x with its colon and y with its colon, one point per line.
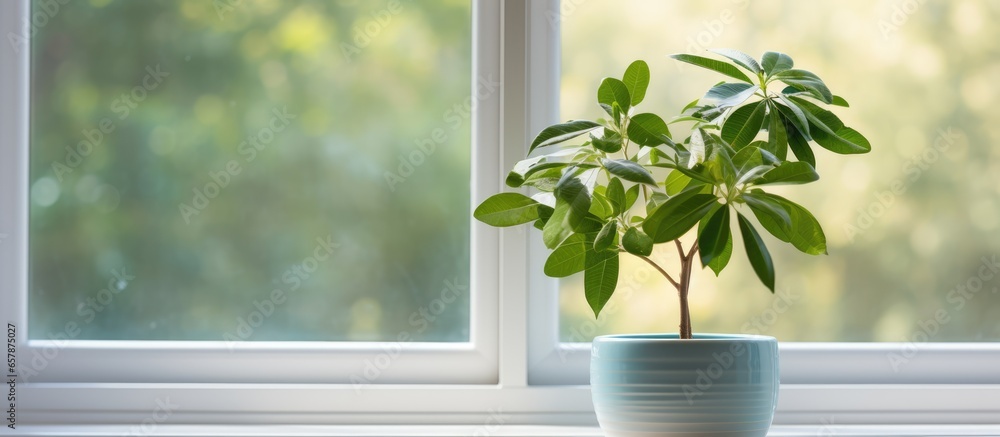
x: 685, y: 326
x: 686, y: 262
x: 694, y: 250
x: 682, y: 286
x: 662, y: 272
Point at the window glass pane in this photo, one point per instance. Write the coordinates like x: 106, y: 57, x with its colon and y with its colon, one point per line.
x: 913, y: 228
x: 189, y: 158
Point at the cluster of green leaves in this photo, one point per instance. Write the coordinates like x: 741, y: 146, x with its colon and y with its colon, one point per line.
x: 588, y: 205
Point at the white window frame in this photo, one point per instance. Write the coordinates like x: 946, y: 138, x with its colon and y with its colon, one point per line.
x: 469, y: 362
x: 552, y: 362
x: 518, y: 370
x: 255, y: 361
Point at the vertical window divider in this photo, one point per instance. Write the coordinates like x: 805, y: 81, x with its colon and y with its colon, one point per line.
x: 513, y: 133
x: 15, y: 59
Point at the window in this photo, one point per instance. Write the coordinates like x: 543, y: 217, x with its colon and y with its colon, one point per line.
x: 488, y: 75
x: 224, y: 182
x: 912, y: 227
x: 215, y: 164
x: 910, y: 283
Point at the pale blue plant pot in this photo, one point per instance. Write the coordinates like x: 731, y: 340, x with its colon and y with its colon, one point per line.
x: 646, y: 385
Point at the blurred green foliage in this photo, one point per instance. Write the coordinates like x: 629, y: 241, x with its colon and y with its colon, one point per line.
x: 898, y: 259
x: 361, y: 82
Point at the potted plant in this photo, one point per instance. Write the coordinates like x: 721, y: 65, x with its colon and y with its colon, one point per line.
x: 618, y: 186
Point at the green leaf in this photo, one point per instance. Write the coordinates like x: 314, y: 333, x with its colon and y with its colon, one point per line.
x: 543, y: 166
x: 600, y: 206
x: 720, y: 262
x: 616, y: 195
x: 774, y: 63
x: 613, y: 91
x: 690, y: 105
x: 742, y: 59
x: 610, y: 142
x: 793, y: 114
x: 777, y: 137
x: 628, y: 170
x: 636, y: 80
x: 760, y: 258
x: 751, y: 157
x: 557, y: 229
x: 587, y: 223
x: 753, y: 175
x: 539, y: 224
x: 637, y: 242
x: 507, y: 209
x: 829, y: 119
x: 805, y: 232
x: 715, y: 140
x: 561, y: 132
x: 829, y: 132
x: 545, y: 180
x: 600, y: 277
x: 606, y: 238
x: 677, y: 215
x: 714, y: 237
x: 654, y: 158
x: 771, y: 214
x: 514, y: 180
x: 854, y: 137
x: 789, y: 172
x: 656, y: 199
x: 726, y: 90
x: 686, y: 118
x: 839, y: 101
x: 647, y: 130
x: 747, y: 158
x: 630, y: 197
x: 721, y: 167
x: 714, y: 65
x: 696, y: 147
x: 544, y: 213
x: 800, y: 146
x: 743, y: 125
x: 790, y: 90
x: 731, y: 94
x: 709, y: 112
x: 571, y: 190
x: 676, y: 182
x: 656, y: 154
x: 806, y: 81
x: 516, y: 176
x: 523, y: 169
x: 697, y: 173
x: 567, y: 259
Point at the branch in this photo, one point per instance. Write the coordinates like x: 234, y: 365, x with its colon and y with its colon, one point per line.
x: 680, y: 249
x: 663, y: 272
x: 694, y: 248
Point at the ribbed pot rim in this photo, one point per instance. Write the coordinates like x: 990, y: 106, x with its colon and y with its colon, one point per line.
x: 675, y: 338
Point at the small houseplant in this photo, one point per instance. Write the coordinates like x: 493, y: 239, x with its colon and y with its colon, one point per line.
x: 618, y: 186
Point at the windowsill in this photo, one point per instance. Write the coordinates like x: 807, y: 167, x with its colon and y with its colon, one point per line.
x: 465, y: 430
